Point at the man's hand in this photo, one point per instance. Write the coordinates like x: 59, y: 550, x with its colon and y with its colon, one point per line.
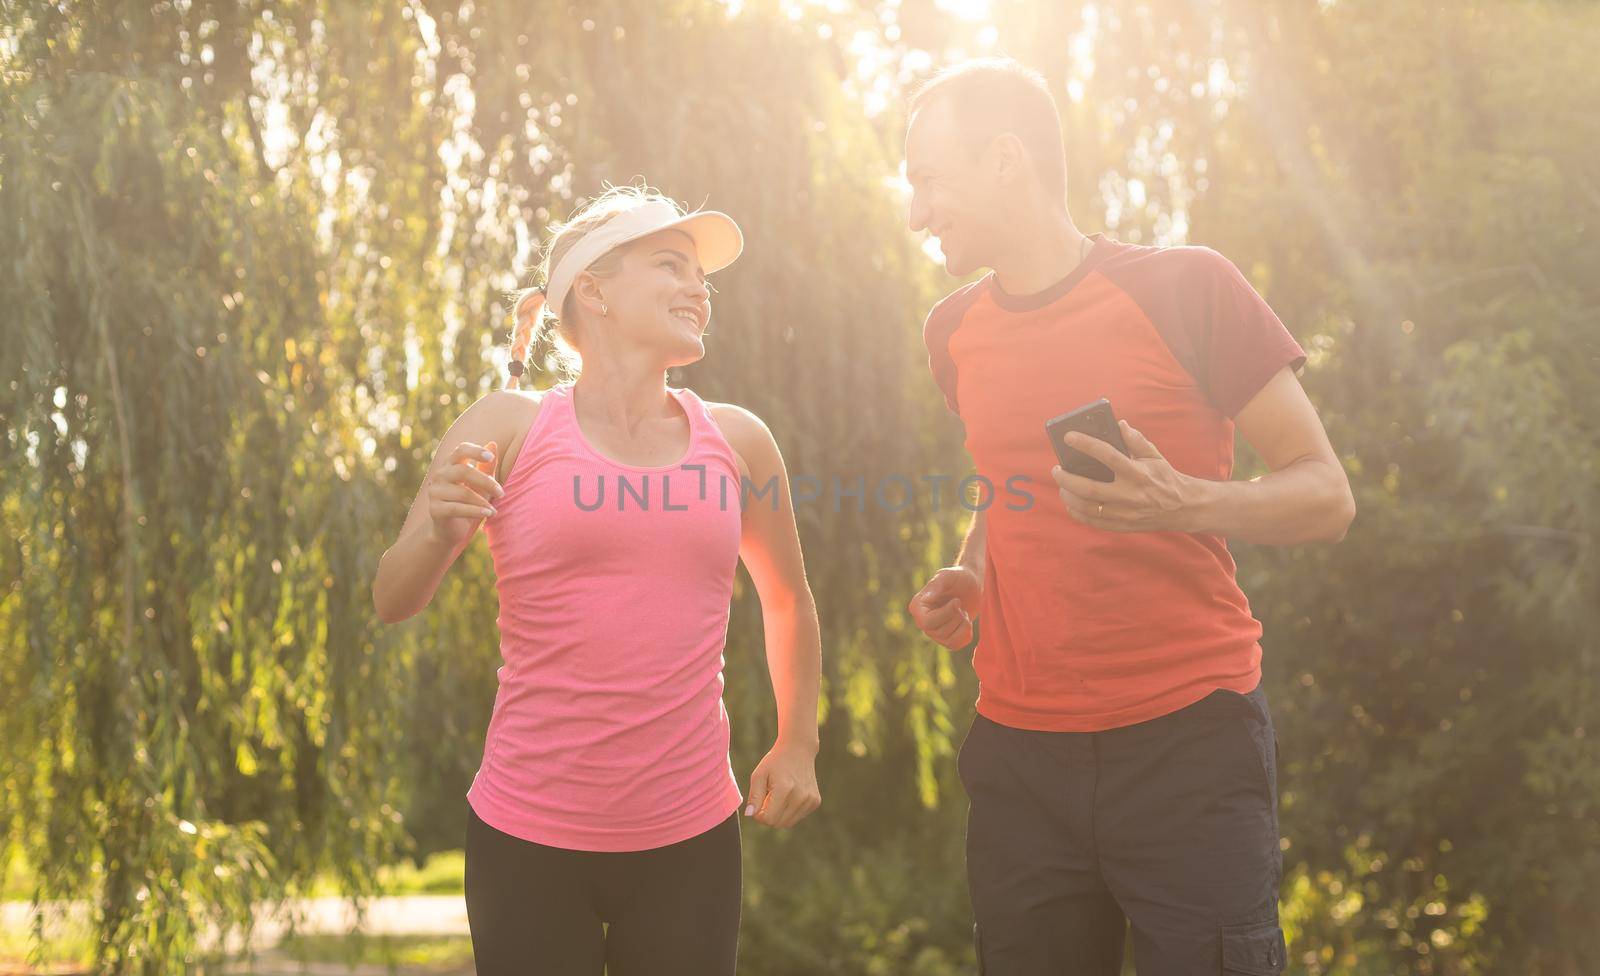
x: 945, y: 608
x: 1148, y: 495
x: 783, y: 788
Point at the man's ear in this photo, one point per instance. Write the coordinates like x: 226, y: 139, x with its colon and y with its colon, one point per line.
x: 1007, y: 159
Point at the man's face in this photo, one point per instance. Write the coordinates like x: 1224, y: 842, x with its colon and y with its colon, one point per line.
x: 954, y: 194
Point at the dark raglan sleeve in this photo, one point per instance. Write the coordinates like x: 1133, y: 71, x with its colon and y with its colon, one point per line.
x: 942, y: 321
x: 1216, y: 325
x: 1248, y: 344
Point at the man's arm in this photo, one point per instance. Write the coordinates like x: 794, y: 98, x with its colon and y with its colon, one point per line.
x: 946, y: 606
x: 973, y: 554
x: 1304, y: 498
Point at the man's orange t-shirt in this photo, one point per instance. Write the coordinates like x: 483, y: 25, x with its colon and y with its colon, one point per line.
x: 1083, y: 629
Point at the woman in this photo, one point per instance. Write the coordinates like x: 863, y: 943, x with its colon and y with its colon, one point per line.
x: 603, y: 824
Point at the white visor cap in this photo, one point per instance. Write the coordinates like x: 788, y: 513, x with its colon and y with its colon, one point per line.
x: 716, y: 237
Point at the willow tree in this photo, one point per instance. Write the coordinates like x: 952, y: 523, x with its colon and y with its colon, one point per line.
x: 197, y: 714
x: 257, y: 259
x: 1427, y: 212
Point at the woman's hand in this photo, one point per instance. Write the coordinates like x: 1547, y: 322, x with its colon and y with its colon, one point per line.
x: 460, y: 496
x: 783, y: 788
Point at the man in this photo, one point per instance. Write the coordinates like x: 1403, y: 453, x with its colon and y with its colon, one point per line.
x: 1121, y: 766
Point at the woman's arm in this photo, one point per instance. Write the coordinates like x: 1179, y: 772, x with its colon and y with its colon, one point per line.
x: 783, y: 788
x: 457, y: 493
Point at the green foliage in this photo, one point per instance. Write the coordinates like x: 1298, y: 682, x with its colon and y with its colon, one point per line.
x: 255, y: 259
x: 440, y: 874
x: 414, y: 954
x: 1424, y: 214
x: 189, y: 676
x: 258, y: 254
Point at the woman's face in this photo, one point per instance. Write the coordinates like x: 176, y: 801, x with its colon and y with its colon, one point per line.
x: 658, y: 300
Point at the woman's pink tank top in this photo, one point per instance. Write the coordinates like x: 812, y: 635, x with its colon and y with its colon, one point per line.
x: 609, y: 732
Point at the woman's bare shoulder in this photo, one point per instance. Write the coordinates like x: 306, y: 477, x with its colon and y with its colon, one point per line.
x: 734, y: 419
x: 514, y: 403
x: 501, y: 417
x: 747, y: 434
x: 500, y: 414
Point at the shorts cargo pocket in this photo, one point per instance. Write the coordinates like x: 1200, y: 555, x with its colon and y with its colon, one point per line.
x: 1254, y: 950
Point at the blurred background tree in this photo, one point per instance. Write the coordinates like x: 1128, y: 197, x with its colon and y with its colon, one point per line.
x: 257, y: 256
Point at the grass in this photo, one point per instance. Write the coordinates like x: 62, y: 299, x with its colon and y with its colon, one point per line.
x: 16, y: 880
x: 67, y: 945
x: 441, y: 874
x: 71, y: 945
x: 411, y: 953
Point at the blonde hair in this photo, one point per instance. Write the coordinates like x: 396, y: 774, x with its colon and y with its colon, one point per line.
x: 534, y: 322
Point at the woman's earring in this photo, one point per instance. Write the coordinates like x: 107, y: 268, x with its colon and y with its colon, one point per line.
x: 604, y: 310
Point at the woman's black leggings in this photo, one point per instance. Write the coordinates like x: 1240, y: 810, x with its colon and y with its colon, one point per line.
x: 547, y: 911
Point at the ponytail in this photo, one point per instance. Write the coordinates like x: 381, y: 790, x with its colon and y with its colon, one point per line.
x: 528, y: 310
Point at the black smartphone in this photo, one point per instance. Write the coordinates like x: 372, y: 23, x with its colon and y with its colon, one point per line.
x: 1094, y: 419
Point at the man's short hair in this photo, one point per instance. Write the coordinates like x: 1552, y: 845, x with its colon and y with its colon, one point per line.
x: 992, y: 96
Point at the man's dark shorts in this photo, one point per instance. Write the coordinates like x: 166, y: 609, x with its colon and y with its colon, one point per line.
x: 1170, y: 825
